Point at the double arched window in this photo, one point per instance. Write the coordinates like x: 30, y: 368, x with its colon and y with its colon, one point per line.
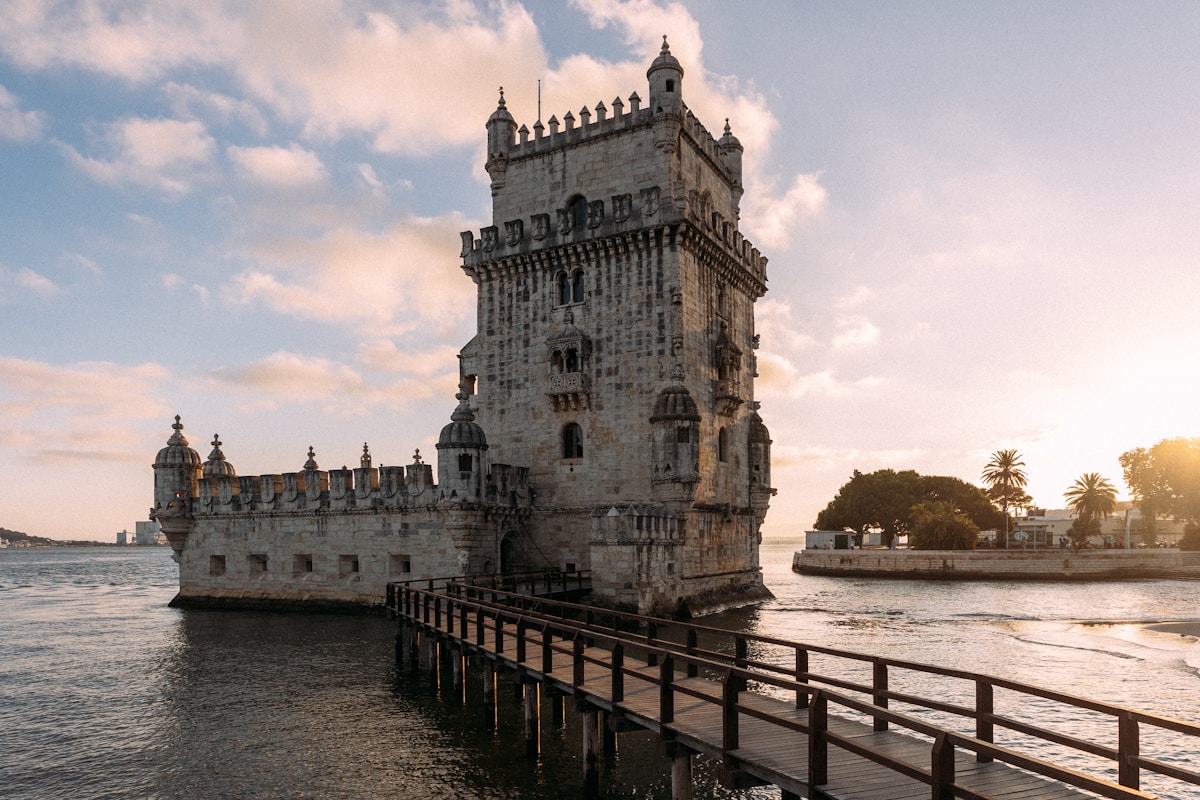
x: 572, y: 440
x: 570, y: 287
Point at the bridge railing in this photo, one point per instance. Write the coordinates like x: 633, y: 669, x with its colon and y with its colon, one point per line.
x: 514, y: 583
x: 726, y: 656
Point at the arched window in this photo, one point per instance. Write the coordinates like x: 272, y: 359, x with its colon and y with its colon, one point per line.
x: 572, y: 439
x: 723, y: 444
x: 683, y: 434
x: 556, y: 362
x: 571, y: 364
x: 577, y: 209
x: 722, y: 300
x: 564, y: 288
x: 464, y: 462
x: 577, y: 286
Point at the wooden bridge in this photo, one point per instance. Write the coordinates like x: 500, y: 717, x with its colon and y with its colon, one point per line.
x: 814, y: 721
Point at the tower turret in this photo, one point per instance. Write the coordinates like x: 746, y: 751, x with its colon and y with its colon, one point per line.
x: 666, y: 82
x: 461, y: 447
x: 731, y: 150
x: 501, y: 136
x: 177, y: 471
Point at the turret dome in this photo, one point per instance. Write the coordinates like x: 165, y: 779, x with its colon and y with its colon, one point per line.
x: 758, y: 430
x: 675, y: 403
x: 664, y: 61
x: 177, y: 453
x: 217, y: 466
x: 462, y: 431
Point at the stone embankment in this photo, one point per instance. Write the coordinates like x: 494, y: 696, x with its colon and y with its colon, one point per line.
x: 1088, y: 565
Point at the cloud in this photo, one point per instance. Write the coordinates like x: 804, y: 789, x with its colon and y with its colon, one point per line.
x: 772, y: 219
x: 855, y: 332
x: 285, y: 377
x: 388, y: 281
x: 87, y: 411
x: 36, y: 283
x: 190, y: 101
x: 17, y: 125
x: 164, y: 154
x: 280, y: 167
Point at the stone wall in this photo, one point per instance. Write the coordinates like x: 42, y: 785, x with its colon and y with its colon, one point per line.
x: 981, y: 565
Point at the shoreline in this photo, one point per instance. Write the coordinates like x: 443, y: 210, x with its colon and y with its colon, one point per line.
x: 1182, y: 628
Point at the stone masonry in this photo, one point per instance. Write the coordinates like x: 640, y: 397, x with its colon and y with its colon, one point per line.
x: 614, y: 358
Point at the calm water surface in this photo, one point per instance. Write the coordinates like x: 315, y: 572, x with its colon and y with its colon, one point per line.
x: 107, y: 693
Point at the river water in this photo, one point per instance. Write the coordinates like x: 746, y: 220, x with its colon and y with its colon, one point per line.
x: 105, y: 692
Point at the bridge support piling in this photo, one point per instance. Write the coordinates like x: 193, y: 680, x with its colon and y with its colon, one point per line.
x: 683, y: 785
x: 456, y: 667
x: 489, y: 683
x: 591, y: 752
x: 533, y: 727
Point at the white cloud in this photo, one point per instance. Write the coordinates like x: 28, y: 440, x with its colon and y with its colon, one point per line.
x: 164, y: 154
x: 191, y: 101
x: 290, y: 378
x: 77, y: 413
x: 280, y: 167
x: 855, y: 332
x: 17, y: 125
x: 388, y: 282
x: 774, y: 220
x: 36, y: 282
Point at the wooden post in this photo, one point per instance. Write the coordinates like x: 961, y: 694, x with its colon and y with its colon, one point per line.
x: 683, y: 785
x: 577, y: 673
x: 1129, y: 751
x: 666, y: 691
x: 489, y: 683
x: 591, y: 752
x: 532, y: 718
x: 941, y: 768
x: 983, y: 721
x: 547, y: 652
x: 818, y: 745
x: 618, y: 673
x: 456, y: 667
x: 729, y: 713
x: 693, y: 669
x: 608, y: 733
x: 741, y: 652
x: 801, y: 677
x: 558, y: 704
x: 879, y: 673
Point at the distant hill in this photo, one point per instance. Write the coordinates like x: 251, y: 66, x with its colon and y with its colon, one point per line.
x: 42, y: 541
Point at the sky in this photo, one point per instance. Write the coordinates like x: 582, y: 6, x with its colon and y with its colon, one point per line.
x: 981, y: 220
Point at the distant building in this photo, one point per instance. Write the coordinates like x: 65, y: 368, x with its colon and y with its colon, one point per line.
x: 606, y: 417
x: 1126, y: 529
x: 148, y: 533
x: 121, y: 537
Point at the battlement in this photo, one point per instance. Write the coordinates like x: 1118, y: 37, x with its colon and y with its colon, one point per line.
x: 635, y: 522
x: 620, y: 214
x: 390, y: 487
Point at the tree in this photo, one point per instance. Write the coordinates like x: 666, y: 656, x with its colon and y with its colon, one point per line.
x: 1006, y: 483
x: 884, y: 500
x: 1165, y: 479
x: 1093, y: 498
x: 938, y: 525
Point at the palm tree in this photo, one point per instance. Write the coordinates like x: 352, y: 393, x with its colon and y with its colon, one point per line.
x: 1006, y: 482
x: 1093, y: 499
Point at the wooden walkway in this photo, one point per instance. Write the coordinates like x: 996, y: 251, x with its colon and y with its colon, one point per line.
x: 697, y: 702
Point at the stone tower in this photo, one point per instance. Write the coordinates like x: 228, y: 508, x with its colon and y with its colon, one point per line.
x: 615, y: 348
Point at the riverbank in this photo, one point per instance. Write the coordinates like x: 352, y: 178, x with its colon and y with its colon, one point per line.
x: 1051, y: 565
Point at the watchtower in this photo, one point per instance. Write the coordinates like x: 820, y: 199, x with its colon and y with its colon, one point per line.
x: 615, y: 346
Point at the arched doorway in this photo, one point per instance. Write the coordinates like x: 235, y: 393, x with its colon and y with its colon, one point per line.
x: 512, y: 556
